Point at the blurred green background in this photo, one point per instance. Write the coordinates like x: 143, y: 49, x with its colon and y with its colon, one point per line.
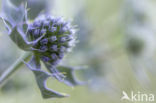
x: 117, y: 43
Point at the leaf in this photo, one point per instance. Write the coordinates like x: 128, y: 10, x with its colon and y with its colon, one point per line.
x: 64, y: 74
x: 41, y: 77
x: 13, y: 14
x: 6, y: 24
x: 55, y: 73
x: 70, y: 78
x: 19, y: 38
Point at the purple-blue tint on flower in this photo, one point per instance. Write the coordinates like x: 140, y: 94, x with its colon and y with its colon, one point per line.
x: 52, y: 29
x: 37, y: 23
x: 43, y: 48
x: 53, y: 56
x: 43, y: 31
x: 46, y: 23
x: 69, y: 37
x: 62, y: 49
x: 30, y: 30
x: 53, y: 48
x: 45, y: 59
x: 44, y: 41
x: 63, y: 29
x: 53, y: 44
x: 53, y: 38
x: 61, y: 55
x: 36, y: 33
x: 62, y: 39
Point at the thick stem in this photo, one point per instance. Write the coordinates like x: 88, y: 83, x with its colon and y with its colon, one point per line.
x: 15, y: 66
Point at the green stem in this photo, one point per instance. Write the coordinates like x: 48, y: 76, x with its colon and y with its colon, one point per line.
x: 14, y: 67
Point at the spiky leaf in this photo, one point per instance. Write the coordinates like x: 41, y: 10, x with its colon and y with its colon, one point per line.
x: 41, y: 77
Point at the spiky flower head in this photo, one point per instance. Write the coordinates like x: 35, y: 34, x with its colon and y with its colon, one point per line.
x: 58, y: 38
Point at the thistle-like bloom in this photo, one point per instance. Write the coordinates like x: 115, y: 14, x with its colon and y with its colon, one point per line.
x: 58, y: 38
x: 48, y: 39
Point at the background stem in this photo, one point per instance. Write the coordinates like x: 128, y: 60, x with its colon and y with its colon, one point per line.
x: 15, y: 66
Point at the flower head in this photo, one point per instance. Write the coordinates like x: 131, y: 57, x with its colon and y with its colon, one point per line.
x: 55, y: 42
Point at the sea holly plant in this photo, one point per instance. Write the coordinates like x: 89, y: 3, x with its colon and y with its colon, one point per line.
x: 47, y: 39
